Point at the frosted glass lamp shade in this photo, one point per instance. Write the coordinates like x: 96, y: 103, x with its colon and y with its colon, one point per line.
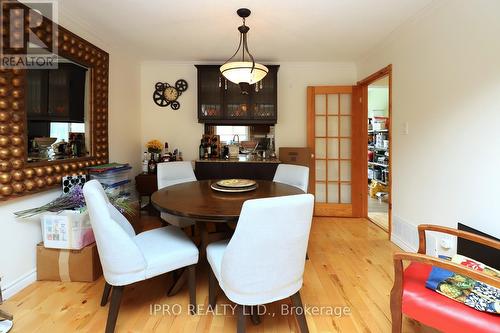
x: 241, y: 71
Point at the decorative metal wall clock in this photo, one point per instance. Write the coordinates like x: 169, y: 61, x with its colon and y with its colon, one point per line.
x: 166, y: 95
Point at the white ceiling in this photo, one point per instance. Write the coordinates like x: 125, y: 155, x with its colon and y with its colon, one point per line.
x: 205, y: 30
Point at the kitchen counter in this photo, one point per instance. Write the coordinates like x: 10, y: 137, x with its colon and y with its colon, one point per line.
x: 242, y: 159
x: 242, y: 167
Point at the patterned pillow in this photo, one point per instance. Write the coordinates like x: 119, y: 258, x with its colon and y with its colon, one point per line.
x: 463, y: 289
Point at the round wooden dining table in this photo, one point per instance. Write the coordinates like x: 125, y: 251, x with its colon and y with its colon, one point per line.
x: 198, y: 201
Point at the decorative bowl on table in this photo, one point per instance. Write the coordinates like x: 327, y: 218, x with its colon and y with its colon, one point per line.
x: 234, y: 185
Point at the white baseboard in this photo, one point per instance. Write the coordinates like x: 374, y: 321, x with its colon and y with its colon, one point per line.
x: 402, y: 244
x: 19, y: 284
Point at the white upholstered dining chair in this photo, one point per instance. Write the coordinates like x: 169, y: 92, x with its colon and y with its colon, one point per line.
x: 127, y: 258
x: 294, y: 175
x: 172, y: 173
x: 262, y: 262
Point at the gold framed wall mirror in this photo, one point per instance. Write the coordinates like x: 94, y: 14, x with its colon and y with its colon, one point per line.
x: 38, y: 104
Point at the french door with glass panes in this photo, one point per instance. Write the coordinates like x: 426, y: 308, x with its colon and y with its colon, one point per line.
x: 334, y: 131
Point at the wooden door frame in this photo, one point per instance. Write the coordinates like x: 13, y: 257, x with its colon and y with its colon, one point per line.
x: 363, y: 84
x: 358, y: 154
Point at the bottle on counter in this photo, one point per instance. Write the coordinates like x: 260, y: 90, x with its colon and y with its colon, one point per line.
x: 209, y: 150
x: 165, y: 157
x: 201, y: 150
x: 145, y: 162
x: 214, y: 147
x: 152, y: 164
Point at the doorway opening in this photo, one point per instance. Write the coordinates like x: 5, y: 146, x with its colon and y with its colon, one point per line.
x: 377, y: 111
x: 378, y: 152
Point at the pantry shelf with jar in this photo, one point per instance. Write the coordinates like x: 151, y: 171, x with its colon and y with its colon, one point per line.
x: 378, y: 151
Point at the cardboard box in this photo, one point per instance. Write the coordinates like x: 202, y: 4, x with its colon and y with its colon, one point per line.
x: 68, y: 229
x: 296, y: 155
x: 68, y: 265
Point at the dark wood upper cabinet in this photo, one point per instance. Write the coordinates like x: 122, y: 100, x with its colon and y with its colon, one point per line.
x: 210, y: 94
x: 221, y: 101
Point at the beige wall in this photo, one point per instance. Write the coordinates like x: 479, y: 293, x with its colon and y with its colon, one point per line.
x: 446, y: 84
x: 124, y: 110
x: 180, y: 128
x: 20, y: 237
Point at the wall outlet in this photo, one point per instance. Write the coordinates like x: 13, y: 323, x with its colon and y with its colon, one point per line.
x: 445, y: 243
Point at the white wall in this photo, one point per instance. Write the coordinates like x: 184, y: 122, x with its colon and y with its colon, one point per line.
x: 446, y: 84
x: 180, y: 128
x: 17, y: 238
x: 18, y: 241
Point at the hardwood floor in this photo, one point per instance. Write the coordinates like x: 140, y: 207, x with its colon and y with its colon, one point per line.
x: 378, y: 212
x: 350, y: 266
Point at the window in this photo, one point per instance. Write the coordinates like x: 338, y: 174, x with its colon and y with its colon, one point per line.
x: 227, y: 133
x: 61, y: 130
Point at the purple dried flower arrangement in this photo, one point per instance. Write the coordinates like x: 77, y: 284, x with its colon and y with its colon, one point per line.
x: 74, y: 200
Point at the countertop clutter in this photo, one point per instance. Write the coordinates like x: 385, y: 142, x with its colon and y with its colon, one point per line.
x: 241, y: 159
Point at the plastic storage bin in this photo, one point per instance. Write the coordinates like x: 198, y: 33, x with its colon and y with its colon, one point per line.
x: 113, y: 178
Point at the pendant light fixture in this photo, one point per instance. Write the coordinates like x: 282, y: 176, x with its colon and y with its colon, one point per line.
x: 247, y: 71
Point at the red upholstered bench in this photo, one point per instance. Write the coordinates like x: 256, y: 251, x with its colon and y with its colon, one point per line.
x: 438, y: 311
x: 409, y: 295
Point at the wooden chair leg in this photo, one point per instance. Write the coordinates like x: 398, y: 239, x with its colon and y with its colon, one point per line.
x: 396, y: 297
x: 192, y: 288
x: 301, y: 318
x: 114, y: 307
x: 240, y: 309
x: 178, y: 282
x: 105, y: 294
x: 397, y: 321
x: 212, y: 288
x: 5, y: 315
x: 255, y: 315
